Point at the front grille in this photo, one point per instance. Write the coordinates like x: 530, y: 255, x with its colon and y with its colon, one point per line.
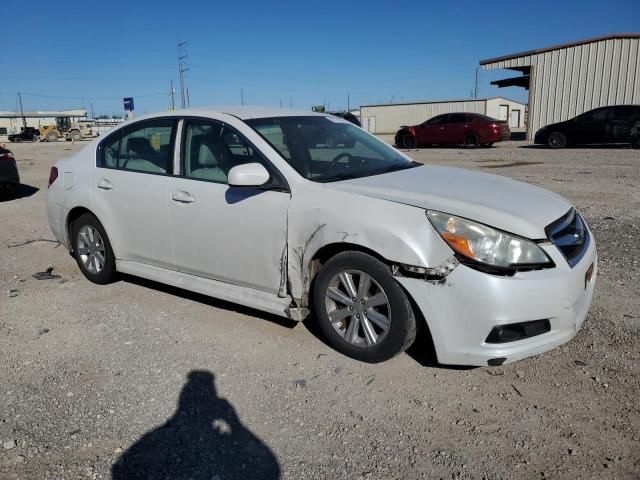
x: 570, y: 235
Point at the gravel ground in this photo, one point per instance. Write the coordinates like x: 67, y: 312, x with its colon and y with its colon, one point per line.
x: 111, y: 381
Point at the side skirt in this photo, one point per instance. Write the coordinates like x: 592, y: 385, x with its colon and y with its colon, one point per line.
x: 246, y: 296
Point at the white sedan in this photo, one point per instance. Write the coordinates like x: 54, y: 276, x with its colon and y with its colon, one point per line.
x: 297, y: 213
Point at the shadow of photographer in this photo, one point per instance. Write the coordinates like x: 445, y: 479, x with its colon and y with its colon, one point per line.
x: 203, y: 440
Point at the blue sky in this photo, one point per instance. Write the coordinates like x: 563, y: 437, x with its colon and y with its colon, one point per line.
x: 306, y: 52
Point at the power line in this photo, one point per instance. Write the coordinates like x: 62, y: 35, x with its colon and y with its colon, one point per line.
x: 90, y: 98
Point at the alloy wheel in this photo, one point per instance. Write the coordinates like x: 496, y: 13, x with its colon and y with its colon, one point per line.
x: 91, y: 249
x: 358, y: 308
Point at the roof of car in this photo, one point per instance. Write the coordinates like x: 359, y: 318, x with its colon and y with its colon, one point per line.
x: 242, y: 112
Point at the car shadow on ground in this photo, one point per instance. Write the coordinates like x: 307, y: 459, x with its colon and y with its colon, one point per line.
x: 21, y: 191
x: 205, y: 299
x: 203, y: 440
x: 422, y: 350
x: 615, y: 146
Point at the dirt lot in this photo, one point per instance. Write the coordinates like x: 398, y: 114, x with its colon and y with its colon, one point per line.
x: 102, y: 381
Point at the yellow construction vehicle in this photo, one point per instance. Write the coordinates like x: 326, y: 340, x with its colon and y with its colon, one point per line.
x: 65, y: 128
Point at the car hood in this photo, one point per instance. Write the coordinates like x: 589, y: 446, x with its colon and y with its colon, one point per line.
x: 501, y: 202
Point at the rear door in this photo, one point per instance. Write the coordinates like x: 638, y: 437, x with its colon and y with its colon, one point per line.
x: 236, y: 235
x: 456, y: 127
x: 128, y: 190
x: 620, y: 125
x: 590, y: 127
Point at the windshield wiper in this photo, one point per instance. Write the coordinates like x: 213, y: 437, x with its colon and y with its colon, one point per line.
x: 337, y: 177
x: 402, y: 166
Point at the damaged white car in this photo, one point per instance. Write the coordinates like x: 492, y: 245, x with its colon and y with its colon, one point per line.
x: 295, y: 213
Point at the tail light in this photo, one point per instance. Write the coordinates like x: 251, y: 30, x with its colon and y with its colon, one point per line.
x: 53, y: 174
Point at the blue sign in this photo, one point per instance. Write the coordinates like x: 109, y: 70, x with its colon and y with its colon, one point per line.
x: 128, y: 103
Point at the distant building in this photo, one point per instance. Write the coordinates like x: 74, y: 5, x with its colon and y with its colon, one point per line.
x: 11, y: 122
x: 571, y: 78
x: 387, y: 118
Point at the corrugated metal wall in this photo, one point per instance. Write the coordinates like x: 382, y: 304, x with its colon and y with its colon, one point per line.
x: 569, y: 81
x: 389, y: 118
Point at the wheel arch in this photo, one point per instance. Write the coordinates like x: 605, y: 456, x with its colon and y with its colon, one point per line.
x: 73, y: 215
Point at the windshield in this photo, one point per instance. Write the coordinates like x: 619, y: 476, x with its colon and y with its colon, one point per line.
x: 326, y: 149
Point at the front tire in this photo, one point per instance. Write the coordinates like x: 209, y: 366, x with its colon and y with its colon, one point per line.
x: 92, y: 250
x: 361, y: 309
x: 408, y: 141
x: 51, y: 137
x: 556, y: 140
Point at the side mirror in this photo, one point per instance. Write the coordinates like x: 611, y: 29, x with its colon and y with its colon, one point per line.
x: 248, y: 175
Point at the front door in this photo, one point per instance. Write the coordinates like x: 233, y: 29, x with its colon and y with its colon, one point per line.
x: 432, y: 131
x: 128, y: 190
x: 231, y: 234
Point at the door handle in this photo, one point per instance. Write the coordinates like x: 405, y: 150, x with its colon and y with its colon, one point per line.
x: 105, y: 184
x: 182, y: 197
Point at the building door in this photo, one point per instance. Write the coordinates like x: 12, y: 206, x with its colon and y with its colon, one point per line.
x: 514, y: 119
x: 371, y: 124
x: 503, y: 113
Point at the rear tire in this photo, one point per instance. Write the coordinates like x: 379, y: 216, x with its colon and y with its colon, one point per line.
x: 556, y: 140
x: 92, y: 250
x: 75, y: 136
x: 377, y: 309
x: 470, y: 140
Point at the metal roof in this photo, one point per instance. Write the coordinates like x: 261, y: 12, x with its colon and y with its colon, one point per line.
x: 609, y: 36
x: 44, y: 114
x: 451, y: 100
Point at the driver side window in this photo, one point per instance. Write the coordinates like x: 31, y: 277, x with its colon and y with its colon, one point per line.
x: 210, y: 149
x: 436, y: 120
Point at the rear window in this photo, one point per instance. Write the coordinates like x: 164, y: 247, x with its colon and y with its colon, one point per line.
x: 484, y: 118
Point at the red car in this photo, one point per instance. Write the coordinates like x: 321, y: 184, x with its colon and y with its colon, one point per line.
x: 467, y: 129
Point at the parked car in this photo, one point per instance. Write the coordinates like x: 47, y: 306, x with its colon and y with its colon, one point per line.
x: 237, y: 205
x: 347, y: 116
x: 468, y: 129
x: 605, y: 125
x: 28, y: 134
x: 9, y: 177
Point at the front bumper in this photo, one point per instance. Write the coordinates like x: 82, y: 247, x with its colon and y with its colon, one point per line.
x: 462, y: 310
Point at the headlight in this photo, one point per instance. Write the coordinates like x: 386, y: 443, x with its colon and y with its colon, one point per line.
x: 487, y: 245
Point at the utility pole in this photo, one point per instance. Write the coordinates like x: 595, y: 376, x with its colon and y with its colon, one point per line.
x: 182, y: 67
x: 24, y: 120
x: 188, y: 101
x: 348, y: 105
x: 475, y: 95
x: 172, y: 92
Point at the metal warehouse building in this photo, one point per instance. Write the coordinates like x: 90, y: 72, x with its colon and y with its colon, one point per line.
x: 11, y: 122
x: 389, y: 117
x: 569, y: 79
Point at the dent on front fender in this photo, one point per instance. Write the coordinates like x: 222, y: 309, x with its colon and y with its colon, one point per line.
x: 396, y: 232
